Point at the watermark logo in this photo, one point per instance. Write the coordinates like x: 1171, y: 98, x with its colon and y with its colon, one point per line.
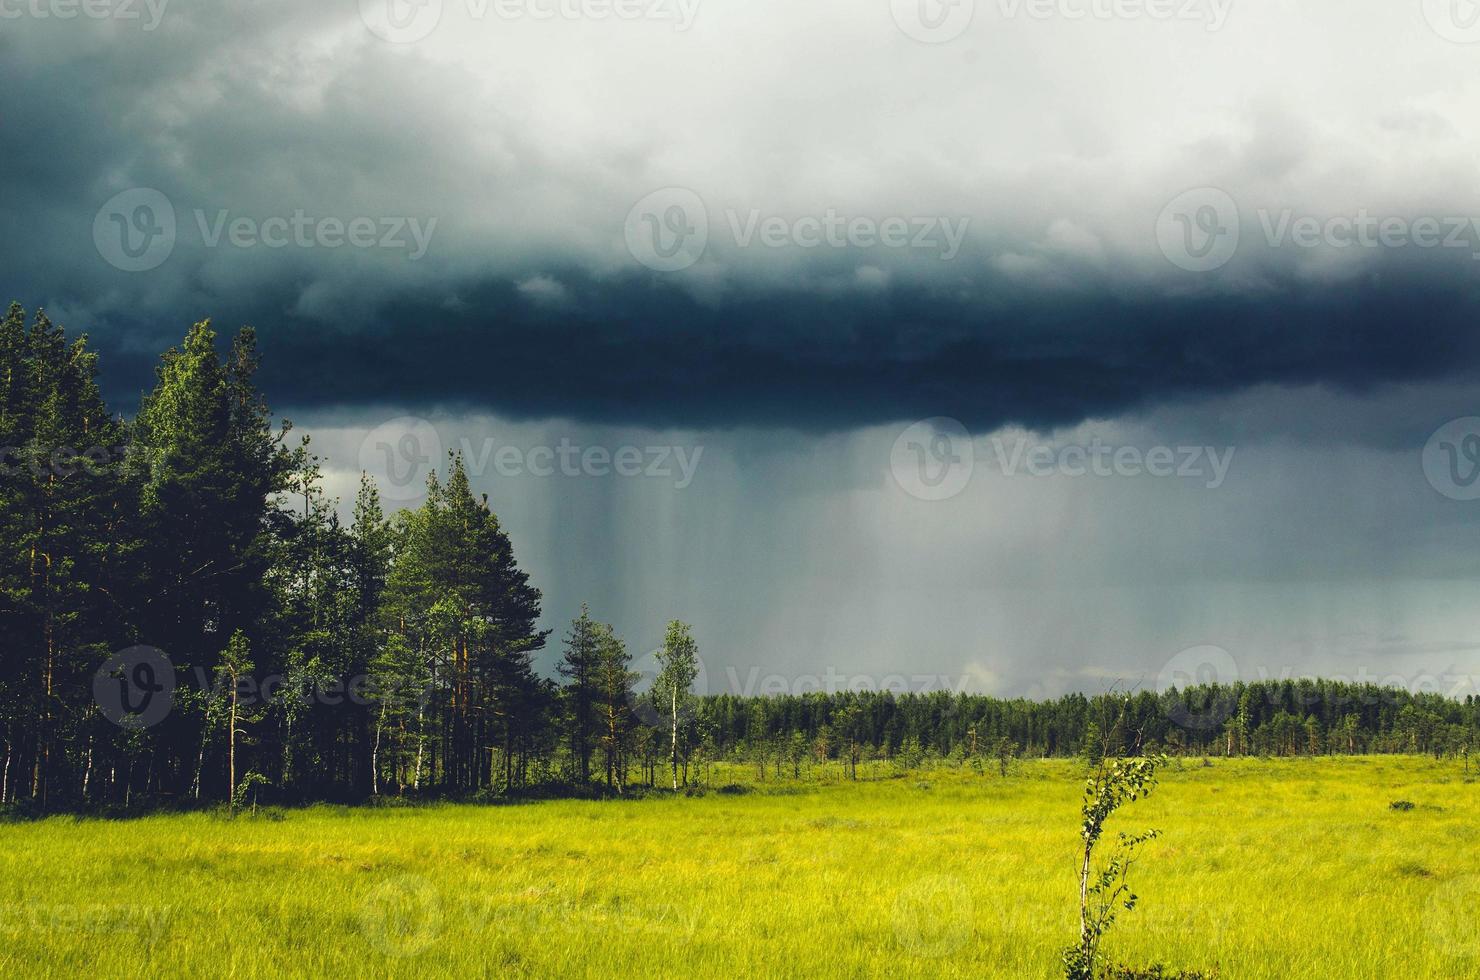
x: 940, y: 235
x: 832, y: 681
x: 640, y: 699
x: 407, y: 21
x: 933, y: 459
x: 933, y: 21
x: 1197, y: 666
x: 1098, y: 458
x: 1454, y: 20
x: 65, y: 462
x: 1365, y: 230
x: 301, y: 230
x: 403, y: 916
x: 668, y: 230
x: 150, y: 12
x: 1213, y: 14
x: 135, y: 688
x: 933, y: 916
x: 403, y: 452
x: 135, y: 230
x: 146, y: 922
x: 1451, y: 459
x: 1451, y: 916
x: 401, y: 21
x: 1198, y: 230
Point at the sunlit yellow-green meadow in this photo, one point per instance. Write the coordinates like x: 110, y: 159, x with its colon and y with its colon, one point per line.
x: 1273, y: 868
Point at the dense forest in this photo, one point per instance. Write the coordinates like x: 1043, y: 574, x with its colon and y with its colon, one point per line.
x: 394, y: 654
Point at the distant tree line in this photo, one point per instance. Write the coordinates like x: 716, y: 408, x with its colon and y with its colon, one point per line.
x: 1267, y: 718
x: 393, y: 654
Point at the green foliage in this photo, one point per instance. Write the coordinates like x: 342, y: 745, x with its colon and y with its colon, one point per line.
x: 617, y: 724
x: 396, y: 654
x: 579, y: 667
x: 246, y: 791
x: 671, y: 883
x: 1103, y: 889
x: 910, y: 755
x: 1093, y: 751
x: 678, y: 661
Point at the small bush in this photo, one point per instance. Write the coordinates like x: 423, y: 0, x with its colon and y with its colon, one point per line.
x: 1401, y: 805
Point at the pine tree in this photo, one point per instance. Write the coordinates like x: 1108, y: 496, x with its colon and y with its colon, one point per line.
x: 370, y: 545
x: 614, y: 680
x: 1093, y: 747
x: 63, y: 512
x: 579, y: 666
x: 209, y: 468
x: 458, y: 595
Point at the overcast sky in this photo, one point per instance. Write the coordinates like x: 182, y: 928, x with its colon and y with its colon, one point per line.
x: 1018, y: 345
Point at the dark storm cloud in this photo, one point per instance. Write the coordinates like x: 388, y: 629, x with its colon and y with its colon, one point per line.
x: 1058, y: 308
x: 529, y: 144
x: 648, y: 353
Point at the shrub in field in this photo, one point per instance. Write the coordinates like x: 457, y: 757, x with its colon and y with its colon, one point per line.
x: 1103, y: 892
x: 246, y: 791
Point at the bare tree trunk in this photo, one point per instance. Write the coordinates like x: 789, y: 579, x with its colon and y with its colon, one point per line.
x: 421, y: 742
x: 375, y: 753
x: 43, y: 753
x: 231, y: 749
x: 200, y: 759
x: 87, y: 772
x: 1084, y: 896
x: 674, y: 744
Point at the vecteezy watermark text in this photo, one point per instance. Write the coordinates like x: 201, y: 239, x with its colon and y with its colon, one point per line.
x: 299, y: 230
x: 137, y: 688
x: 1365, y: 230
x: 1200, y: 230
x: 408, y: 21
x: 830, y: 681
x: 1213, y: 14
x: 933, y: 459
x: 669, y: 230
x: 833, y: 230
x: 66, y: 461
x: 137, y: 230
x: 404, y: 451
x: 1206, y: 463
x: 939, y: 21
x: 149, y: 12
x: 95, y: 918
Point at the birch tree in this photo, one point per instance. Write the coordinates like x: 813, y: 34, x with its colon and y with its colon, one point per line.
x: 679, y: 660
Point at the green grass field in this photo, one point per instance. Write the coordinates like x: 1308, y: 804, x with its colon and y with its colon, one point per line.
x: 1293, y: 868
